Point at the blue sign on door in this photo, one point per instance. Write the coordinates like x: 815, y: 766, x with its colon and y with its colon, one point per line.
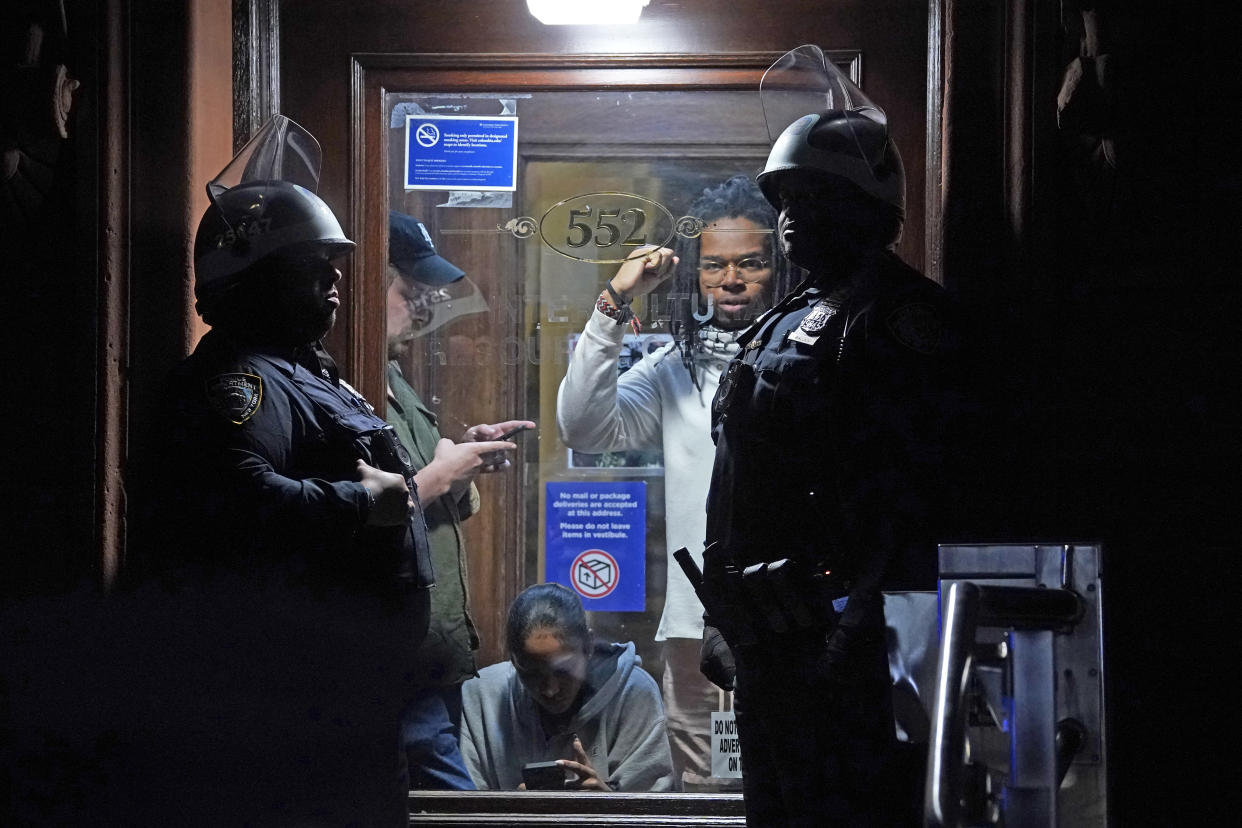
x: 596, y: 542
x: 460, y: 152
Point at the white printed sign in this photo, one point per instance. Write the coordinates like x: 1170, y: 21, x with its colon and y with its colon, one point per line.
x: 726, y: 752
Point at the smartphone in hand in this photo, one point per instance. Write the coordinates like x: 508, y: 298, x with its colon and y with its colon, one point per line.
x: 543, y: 776
x: 508, y: 435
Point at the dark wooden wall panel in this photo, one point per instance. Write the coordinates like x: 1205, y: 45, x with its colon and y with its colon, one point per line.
x: 1093, y: 238
x: 53, y: 266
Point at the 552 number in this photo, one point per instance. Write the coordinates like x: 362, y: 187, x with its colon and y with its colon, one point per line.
x: 606, y: 232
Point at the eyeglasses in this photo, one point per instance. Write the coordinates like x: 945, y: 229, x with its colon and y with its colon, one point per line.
x: 752, y: 269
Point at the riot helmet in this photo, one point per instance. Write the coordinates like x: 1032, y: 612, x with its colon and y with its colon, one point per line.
x: 263, y: 203
x: 819, y: 120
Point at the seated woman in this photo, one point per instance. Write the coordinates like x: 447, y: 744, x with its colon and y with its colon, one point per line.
x: 562, y: 697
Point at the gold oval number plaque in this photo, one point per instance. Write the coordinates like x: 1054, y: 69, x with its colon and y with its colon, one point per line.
x: 605, y: 228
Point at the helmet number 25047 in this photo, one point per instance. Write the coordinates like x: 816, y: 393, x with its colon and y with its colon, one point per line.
x: 244, y: 230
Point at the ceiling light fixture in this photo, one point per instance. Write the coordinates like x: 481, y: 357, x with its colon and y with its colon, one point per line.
x: 586, y: 12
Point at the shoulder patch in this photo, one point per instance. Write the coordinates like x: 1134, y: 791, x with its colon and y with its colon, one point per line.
x: 235, y: 396
x: 918, y: 326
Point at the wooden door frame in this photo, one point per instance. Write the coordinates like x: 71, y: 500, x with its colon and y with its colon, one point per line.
x: 256, y: 66
x: 375, y: 74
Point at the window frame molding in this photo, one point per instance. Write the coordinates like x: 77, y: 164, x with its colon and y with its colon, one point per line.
x: 373, y: 75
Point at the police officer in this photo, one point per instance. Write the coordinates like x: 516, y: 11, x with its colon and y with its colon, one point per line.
x: 303, y: 568
x: 832, y: 427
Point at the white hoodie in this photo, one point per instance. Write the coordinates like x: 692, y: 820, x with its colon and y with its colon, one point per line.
x: 653, y: 405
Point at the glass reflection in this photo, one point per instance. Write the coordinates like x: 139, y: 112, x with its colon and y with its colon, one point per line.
x: 425, y: 292
x: 505, y: 350
x: 664, y: 402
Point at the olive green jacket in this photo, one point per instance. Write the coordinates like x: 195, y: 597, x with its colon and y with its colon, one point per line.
x: 446, y: 656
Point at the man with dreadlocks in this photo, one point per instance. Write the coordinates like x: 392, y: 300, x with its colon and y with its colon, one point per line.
x: 727, y: 276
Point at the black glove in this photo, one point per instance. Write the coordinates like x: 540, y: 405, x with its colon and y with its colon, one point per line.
x: 847, y: 653
x: 716, y: 659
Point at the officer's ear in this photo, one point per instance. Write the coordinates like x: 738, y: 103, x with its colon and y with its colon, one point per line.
x: 893, y: 224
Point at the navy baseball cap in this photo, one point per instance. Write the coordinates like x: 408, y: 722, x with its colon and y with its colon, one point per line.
x: 411, y: 251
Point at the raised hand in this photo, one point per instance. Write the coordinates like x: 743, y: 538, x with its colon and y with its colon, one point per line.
x: 644, y: 271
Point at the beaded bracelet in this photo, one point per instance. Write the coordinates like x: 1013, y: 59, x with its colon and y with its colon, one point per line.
x: 621, y: 313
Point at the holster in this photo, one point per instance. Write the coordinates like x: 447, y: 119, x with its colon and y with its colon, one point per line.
x: 794, y: 597
x: 770, y: 599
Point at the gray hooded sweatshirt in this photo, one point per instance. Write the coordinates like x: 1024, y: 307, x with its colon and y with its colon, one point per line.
x: 620, y: 723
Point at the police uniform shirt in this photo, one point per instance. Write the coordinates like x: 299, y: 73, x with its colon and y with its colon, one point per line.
x: 831, y: 429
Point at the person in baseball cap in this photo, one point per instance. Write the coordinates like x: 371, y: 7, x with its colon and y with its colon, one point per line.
x: 426, y: 291
x: 412, y: 252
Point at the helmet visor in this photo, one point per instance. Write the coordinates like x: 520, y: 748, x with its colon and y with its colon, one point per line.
x: 805, y: 81
x: 280, y: 151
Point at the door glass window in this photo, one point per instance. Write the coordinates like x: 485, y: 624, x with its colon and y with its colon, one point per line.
x: 538, y: 198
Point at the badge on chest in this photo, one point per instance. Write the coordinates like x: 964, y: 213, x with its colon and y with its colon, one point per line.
x: 815, y: 322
